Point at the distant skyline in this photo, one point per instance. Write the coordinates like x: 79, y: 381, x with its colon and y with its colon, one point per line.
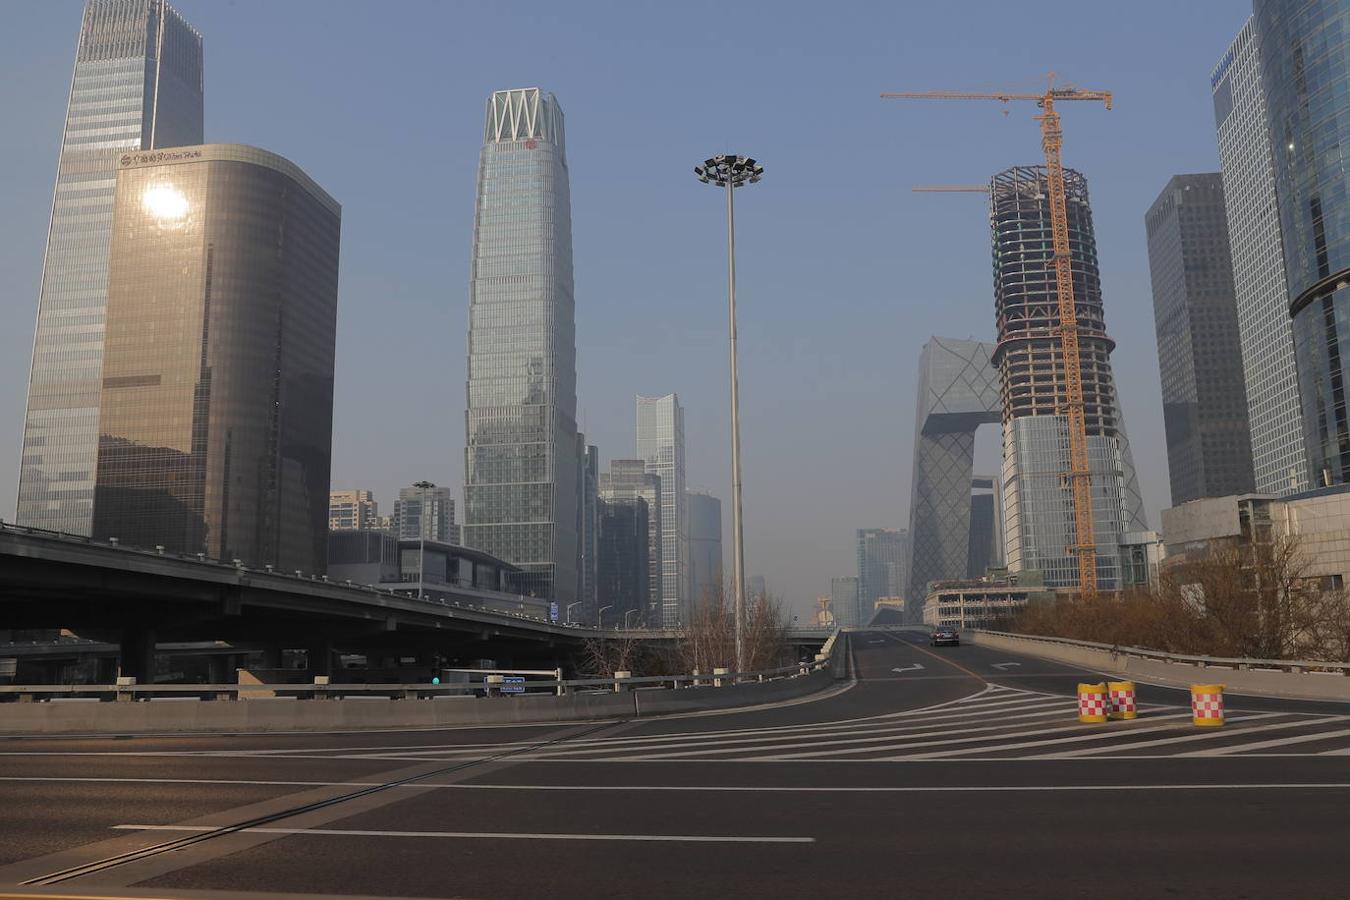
x: 841, y: 280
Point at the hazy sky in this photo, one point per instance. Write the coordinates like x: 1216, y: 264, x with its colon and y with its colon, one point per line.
x: 843, y: 273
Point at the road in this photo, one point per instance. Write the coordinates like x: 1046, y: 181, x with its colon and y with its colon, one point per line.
x: 954, y: 772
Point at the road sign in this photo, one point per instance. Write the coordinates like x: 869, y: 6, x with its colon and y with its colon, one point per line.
x: 513, y: 684
x: 553, y: 611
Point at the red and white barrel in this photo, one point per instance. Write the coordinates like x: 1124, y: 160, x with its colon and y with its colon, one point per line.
x: 1120, y: 700
x: 1207, y: 704
x: 1092, y: 703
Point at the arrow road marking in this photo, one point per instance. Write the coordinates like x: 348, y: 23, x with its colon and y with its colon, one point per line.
x: 912, y: 668
x: 1002, y: 666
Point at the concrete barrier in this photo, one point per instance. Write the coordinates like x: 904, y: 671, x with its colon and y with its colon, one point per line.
x: 278, y: 714
x: 1301, y: 685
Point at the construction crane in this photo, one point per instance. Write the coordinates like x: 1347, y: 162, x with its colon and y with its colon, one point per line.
x: 1052, y: 142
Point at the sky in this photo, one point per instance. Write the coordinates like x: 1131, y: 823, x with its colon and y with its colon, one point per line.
x: 842, y: 272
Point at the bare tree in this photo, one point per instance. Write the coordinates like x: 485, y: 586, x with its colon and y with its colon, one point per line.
x: 709, y: 639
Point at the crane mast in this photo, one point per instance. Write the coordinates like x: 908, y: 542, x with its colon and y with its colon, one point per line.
x: 1079, y: 474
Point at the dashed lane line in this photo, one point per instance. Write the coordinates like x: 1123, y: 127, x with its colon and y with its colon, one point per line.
x: 496, y: 835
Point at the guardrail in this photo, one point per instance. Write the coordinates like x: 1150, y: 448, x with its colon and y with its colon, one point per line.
x: 1203, y: 662
x: 322, y: 689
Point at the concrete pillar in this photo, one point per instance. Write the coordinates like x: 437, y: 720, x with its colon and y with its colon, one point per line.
x: 137, y: 657
x: 320, y: 654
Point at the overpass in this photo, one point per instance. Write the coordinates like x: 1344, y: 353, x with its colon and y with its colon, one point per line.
x: 137, y: 598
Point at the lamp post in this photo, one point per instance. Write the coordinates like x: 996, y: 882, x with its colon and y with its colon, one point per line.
x: 600, y: 615
x: 625, y: 617
x: 570, y: 607
x: 730, y: 172
x: 423, y: 487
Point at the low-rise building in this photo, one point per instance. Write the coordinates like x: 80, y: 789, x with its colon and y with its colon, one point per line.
x: 982, y: 602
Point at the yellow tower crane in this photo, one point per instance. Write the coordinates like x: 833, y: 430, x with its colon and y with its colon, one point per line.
x: 1052, y: 142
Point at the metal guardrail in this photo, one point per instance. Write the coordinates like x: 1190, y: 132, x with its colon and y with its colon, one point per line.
x: 1203, y: 662
x: 323, y: 690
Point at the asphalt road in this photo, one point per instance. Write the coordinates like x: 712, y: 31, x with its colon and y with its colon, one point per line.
x: 953, y: 772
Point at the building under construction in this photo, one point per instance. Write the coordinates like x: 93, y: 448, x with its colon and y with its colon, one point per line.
x: 1038, y: 498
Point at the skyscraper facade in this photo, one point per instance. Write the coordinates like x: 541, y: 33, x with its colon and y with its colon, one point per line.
x: 1274, y: 412
x: 1038, y: 502
x: 705, y: 546
x: 1209, y: 451
x: 985, y: 544
x: 660, y: 444
x: 137, y: 87
x: 216, y: 410
x: 353, y: 511
x: 844, y: 601
x: 588, y: 526
x: 883, y: 558
x: 427, y: 513
x: 521, y: 462
x: 622, y: 561
x: 1304, y: 52
x: 625, y: 480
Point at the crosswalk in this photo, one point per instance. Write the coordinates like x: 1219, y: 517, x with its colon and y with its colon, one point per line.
x: 1000, y: 722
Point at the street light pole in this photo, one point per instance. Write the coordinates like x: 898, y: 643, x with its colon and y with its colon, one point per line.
x: 422, y: 486
x: 600, y: 615
x: 729, y: 171
x: 625, y: 618
x: 570, y: 607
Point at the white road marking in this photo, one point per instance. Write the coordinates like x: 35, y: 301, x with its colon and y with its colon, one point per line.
x: 905, y: 789
x: 913, y: 667
x: 1005, y: 665
x: 494, y: 835
x: 1198, y: 734
x: 1277, y: 742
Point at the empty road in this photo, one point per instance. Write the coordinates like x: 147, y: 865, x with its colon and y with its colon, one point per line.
x: 954, y: 772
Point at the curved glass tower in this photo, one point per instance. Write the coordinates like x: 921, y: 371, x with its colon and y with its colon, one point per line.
x: 1038, y: 503
x: 1305, y: 71
x: 521, y: 466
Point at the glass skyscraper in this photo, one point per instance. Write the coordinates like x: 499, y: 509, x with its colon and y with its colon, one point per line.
x: 521, y: 463
x: 1038, y: 500
x: 216, y: 412
x: 1279, y: 462
x: 1304, y: 48
x: 1209, y: 451
x: 628, y: 479
x: 660, y: 444
x: 705, y: 546
x: 137, y: 86
x: 883, y: 564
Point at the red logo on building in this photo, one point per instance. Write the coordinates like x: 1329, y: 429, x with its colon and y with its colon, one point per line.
x: 531, y: 144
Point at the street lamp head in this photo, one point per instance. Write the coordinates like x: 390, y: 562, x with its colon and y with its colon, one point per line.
x: 729, y: 170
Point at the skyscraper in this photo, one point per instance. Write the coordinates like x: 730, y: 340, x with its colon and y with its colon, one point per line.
x: 216, y: 413
x: 352, y: 511
x: 626, y: 479
x: 623, y: 549
x: 1304, y: 53
x: 985, y: 544
x: 1038, y: 501
x: 844, y: 601
x: 660, y: 444
x: 1279, y: 461
x: 137, y: 86
x: 521, y: 463
x: 427, y: 513
x: 1209, y: 451
x: 705, y: 546
x: 883, y: 558
x: 588, y: 533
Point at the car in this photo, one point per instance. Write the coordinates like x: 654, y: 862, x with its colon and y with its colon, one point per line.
x: 944, y: 634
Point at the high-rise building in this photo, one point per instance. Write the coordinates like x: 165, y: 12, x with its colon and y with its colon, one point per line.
x: 353, y: 511
x: 985, y: 544
x: 626, y: 479
x: 1304, y: 53
x: 521, y: 462
x: 623, y: 550
x: 660, y: 444
x: 756, y: 586
x: 425, y: 511
x: 844, y: 601
x: 1279, y: 461
x: 588, y: 525
x: 883, y: 557
x: 705, y: 546
x: 1038, y: 499
x: 216, y: 414
x: 958, y: 392
x: 137, y: 87
x: 1209, y: 451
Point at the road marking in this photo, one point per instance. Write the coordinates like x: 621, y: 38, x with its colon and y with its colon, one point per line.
x: 1277, y: 742
x: 1200, y: 735
x: 495, y: 835
x: 904, y: 643
x: 914, y: 668
x: 1005, y: 665
x: 905, y: 789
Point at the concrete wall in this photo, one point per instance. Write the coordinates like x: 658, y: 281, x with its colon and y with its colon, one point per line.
x: 1260, y: 682
x: 167, y: 716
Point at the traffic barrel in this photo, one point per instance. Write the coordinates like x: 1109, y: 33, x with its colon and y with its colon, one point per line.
x: 1207, y: 704
x: 1120, y: 700
x: 1092, y: 703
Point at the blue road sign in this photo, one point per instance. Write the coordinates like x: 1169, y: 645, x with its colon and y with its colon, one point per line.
x: 513, y: 684
x: 553, y: 611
